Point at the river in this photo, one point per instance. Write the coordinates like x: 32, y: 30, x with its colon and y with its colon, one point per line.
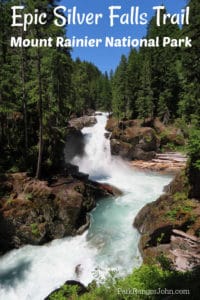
x: 111, y: 243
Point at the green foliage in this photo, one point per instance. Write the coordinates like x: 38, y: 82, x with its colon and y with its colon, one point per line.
x: 163, y: 81
x: 194, y: 161
x: 9, y: 201
x: 180, y: 196
x: 172, y: 147
x: 182, y: 207
x: 66, y: 292
x: 34, y: 229
x: 91, y: 88
x: 165, y: 262
x: 191, y: 65
x: 194, y: 148
x: 144, y: 102
x: 28, y: 196
x: 148, y: 83
x: 144, y: 283
x: 119, y: 90
x: 104, y: 93
x: 172, y: 214
x: 14, y: 169
x: 160, y: 238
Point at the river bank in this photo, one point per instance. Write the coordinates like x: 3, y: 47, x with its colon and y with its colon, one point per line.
x: 170, y: 227
x: 139, y: 140
x: 36, y: 211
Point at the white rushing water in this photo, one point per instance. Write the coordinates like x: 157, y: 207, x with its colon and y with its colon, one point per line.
x: 32, y: 272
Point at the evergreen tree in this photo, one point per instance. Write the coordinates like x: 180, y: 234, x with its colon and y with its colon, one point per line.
x: 164, y: 60
x: 86, y: 81
x: 144, y: 103
x: 133, y: 81
x: 119, y: 90
x: 36, y: 99
x: 104, y: 93
x: 190, y: 102
x: 10, y: 115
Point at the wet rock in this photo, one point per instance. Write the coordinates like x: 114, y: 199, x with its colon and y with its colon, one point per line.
x: 138, y: 154
x: 81, y: 289
x: 171, y: 135
x: 78, y: 270
x: 104, y: 189
x: 90, y: 112
x: 145, y: 137
x: 132, y: 141
x: 71, y: 169
x: 7, y: 234
x: 107, y: 135
x: 81, y: 176
x: 110, y: 189
x: 141, y: 140
x: 158, y: 220
x: 36, y: 212
x: 112, y: 124
x: 74, y: 145
x: 120, y: 148
x: 130, y: 152
x: 84, y: 227
x: 85, y: 121
x: 158, y: 126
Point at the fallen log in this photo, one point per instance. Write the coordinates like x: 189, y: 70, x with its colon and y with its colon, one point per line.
x: 185, y: 235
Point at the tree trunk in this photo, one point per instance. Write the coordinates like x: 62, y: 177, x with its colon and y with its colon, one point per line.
x: 40, y: 145
x: 24, y: 98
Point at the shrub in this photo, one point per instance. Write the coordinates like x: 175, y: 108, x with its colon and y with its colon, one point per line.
x: 144, y: 283
x: 194, y: 148
x: 35, y: 229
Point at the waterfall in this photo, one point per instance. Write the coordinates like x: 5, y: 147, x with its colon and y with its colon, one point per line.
x: 32, y: 272
x: 97, y: 159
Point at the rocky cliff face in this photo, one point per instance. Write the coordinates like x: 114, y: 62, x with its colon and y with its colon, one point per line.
x: 137, y: 140
x: 171, y: 226
x: 75, y: 144
x: 36, y: 212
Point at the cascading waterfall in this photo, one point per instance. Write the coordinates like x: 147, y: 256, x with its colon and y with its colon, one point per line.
x: 111, y: 242
x: 97, y: 159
